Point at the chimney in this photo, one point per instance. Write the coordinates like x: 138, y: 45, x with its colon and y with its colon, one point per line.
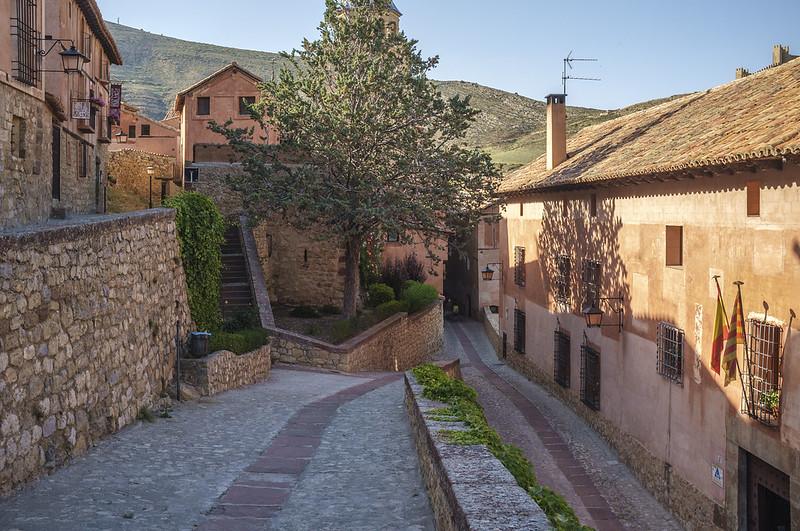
x: 556, y: 130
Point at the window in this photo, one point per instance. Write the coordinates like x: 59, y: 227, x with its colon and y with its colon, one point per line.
x: 131, y: 131
x: 593, y: 205
x: 669, y: 344
x: 519, y: 331
x: 590, y: 377
x: 761, y: 374
x: 563, y: 273
x: 145, y: 130
x: 25, y: 35
x: 519, y: 266
x: 561, y: 362
x: 244, y: 104
x: 674, y: 246
x: 19, y: 130
x: 203, y: 106
x: 56, y: 181
x: 591, y: 283
x: 392, y: 236
x: 489, y: 235
x: 84, y: 159
x: 522, y: 210
x: 191, y: 175
x: 754, y: 198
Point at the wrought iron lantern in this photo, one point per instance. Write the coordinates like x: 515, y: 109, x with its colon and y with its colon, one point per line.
x: 73, y: 60
x: 594, y: 315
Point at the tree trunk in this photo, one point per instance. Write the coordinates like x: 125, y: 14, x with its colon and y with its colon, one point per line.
x: 352, y: 259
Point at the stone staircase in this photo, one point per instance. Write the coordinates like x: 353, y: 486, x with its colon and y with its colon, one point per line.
x: 236, y: 292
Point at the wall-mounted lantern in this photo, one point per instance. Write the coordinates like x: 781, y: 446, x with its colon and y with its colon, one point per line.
x: 488, y: 273
x: 594, y: 315
x: 72, y: 60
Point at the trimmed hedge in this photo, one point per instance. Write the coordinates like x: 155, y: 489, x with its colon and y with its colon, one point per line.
x: 464, y: 407
x: 388, y: 309
x: 419, y: 296
x: 240, y: 342
x: 201, y: 231
x: 378, y: 294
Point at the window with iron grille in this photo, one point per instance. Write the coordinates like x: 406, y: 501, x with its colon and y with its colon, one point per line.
x: 591, y: 283
x: 519, y: 266
x: 519, y: 331
x: 669, y: 342
x: 761, y: 374
x: 561, y: 359
x: 25, y: 34
x: 563, y: 273
x: 145, y: 130
x: 590, y: 377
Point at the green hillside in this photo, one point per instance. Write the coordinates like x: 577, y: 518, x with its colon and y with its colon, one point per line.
x: 510, y: 127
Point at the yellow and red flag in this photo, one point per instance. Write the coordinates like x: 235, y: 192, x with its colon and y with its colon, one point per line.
x: 720, y: 333
x: 735, y: 337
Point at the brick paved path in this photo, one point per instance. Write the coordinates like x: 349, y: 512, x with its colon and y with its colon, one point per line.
x: 568, y: 456
x: 234, y: 461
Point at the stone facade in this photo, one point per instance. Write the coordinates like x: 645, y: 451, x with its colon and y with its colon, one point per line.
x: 223, y: 371
x: 88, y: 314
x: 397, y: 344
x: 128, y: 168
x: 468, y: 487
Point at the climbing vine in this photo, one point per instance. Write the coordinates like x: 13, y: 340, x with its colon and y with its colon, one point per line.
x: 201, y: 230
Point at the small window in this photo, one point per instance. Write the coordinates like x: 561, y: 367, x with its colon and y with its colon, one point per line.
x: 19, y: 130
x: 669, y: 344
x: 519, y: 266
x: 145, y: 130
x: 590, y: 377
x: 591, y: 283
x: 593, y: 205
x: 84, y: 160
x: 561, y: 361
x: 563, y: 273
x: 522, y: 210
x: 203, y: 106
x: 762, y: 378
x: 519, y: 331
x: 674, y: 246
x: 131, y: 131
x: 191, y: 175
x: 245, y: 103
x: 392, y: 236
x: 754, y: 198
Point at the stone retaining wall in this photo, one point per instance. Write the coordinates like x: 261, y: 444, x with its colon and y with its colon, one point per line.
x: 399, y: 343
x: 128, y: 167
x: 468, y: 487
x: 223, y: 371
x: 88, y: 313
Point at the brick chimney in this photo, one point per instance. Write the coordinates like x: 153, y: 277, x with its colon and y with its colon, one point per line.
x: 556, y: 130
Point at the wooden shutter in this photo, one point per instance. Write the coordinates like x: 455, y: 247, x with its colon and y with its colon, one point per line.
x: 674, y: 246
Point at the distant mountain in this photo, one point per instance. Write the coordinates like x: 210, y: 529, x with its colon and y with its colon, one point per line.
x: 510, y: 127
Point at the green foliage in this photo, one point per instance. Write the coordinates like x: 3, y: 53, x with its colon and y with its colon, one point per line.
x: 398, y: 273
x: 242, y: 320
x: 378, y: 294
x: 464, y: 407
x: 145, y: 414
x: 305, y: 312
x: 200, y: 233
x: 388, y: 309
x: 240, y: 342
x: 344, y: 330
x: 419, y: 296
x: 771, y: 400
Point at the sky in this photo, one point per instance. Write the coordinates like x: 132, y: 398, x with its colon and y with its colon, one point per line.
x: 645, y: 48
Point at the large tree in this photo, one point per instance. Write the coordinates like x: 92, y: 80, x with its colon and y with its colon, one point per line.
x: 368, y: 143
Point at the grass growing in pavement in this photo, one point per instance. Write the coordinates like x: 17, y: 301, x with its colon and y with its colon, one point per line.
x: 463, y: 406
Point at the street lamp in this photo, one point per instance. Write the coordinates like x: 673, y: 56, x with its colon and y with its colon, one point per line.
x: 150, y: 172
x: 488, y: 273
x: 72, y: 60
x: 594, y: 315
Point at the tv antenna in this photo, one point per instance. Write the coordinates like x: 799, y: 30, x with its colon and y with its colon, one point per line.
x: 568, y: 60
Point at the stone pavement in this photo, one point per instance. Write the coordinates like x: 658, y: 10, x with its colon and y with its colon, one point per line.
x: 205, y: 465
x: 568, y: 456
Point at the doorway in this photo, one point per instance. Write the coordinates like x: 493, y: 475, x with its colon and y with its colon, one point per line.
x: 768, y: 507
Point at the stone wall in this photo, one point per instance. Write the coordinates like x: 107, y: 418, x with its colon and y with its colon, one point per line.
x: 25, y: 184
x: 399, y: 343
x: 693, y: 508
x: 88, y: 313
x: 128, y: 168
x: 468, y: 487
x: 223, y: 371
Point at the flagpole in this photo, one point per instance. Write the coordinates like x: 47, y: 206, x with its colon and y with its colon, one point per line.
x: 719, y: 294
x: 750, y: 406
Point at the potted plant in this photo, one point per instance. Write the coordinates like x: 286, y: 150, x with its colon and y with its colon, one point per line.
x: 770, y: 402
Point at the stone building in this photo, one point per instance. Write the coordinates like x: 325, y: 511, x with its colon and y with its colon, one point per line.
x: 637, y: 217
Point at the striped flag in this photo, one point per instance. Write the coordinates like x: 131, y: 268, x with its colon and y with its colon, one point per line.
x: 735, y: 337
x: 720, y: 332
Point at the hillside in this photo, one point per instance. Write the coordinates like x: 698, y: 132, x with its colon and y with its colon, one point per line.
x: 510, y: 127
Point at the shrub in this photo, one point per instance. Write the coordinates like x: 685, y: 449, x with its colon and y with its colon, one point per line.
x: 388, y: 309
x: 305, y: 312
x: 344, y: 330
x: 240, y: 342
x: 419, y: 296
x: 378, y: 294
x: 398, y: 271
x: 201, y: 232
x: 242, y: 320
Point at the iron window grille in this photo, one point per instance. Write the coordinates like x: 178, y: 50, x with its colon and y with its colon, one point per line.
x: 519, y: 266
x: 564, y: 270
x: 590, y: 377
x: 762, y: 377
x: 591, y: 283
x: 669, y: 342
x: 145, y: 129
x: 519, y: 331
x: 561, y: 358
x: 24, y: 30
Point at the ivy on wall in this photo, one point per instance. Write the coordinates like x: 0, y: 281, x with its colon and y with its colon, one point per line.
x: 201, y: 231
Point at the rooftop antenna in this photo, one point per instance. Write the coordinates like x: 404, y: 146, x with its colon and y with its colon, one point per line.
x: 568, y: 60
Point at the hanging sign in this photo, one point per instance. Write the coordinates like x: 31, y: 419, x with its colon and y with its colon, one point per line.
x: 115, y: 102
x: 81, y: 109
